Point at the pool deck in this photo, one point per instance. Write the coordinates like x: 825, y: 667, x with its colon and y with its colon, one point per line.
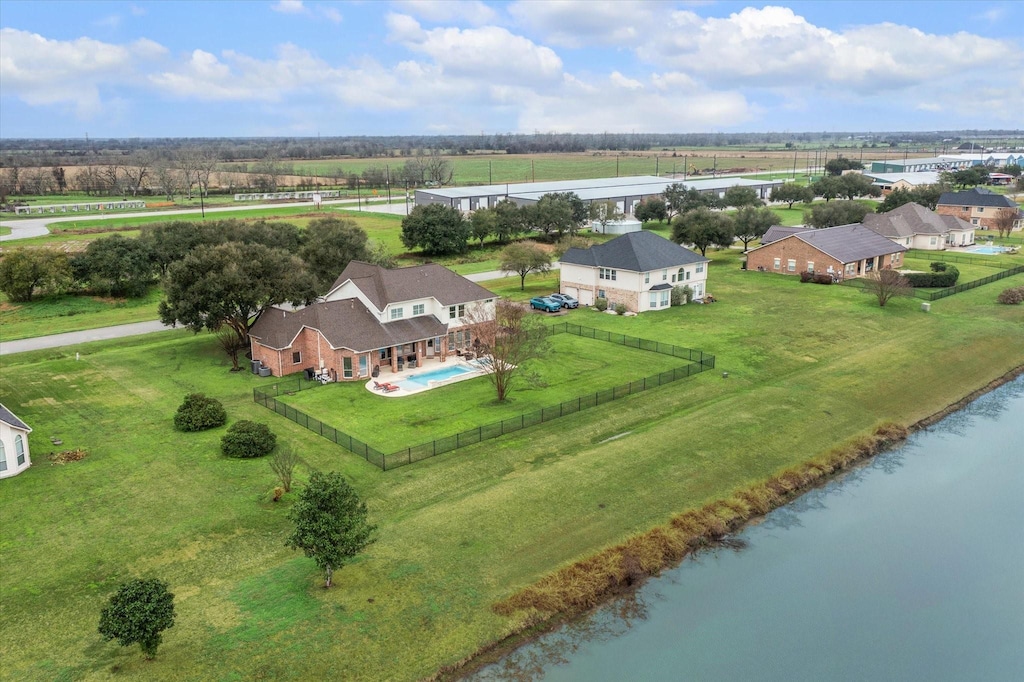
x: 407, y: 388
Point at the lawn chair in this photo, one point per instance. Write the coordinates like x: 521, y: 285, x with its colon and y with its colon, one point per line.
x: 377, y: 386
x: 388, y: 388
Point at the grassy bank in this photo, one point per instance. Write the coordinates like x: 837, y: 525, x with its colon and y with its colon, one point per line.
x: 59, y: 314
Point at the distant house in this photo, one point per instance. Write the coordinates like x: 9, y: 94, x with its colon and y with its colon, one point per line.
x: 638, y: 270
x: 915, y: 227
x: 371, y: 318
x: 844, y: 251
x: 14, y: 454
x: 978, y: 206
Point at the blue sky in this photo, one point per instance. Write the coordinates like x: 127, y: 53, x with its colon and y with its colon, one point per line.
x: 303, y: 67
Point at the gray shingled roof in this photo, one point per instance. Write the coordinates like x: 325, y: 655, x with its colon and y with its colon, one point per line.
x: 849, y: 243
x: 383, y: 286
x: 345, y: 324
x: 979, y: 196
x: 8, y: 417
x: 776, y: 232
x: 635, y: 251
x: 910, y: 219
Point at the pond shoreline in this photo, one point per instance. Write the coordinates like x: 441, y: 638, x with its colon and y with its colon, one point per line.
x: 624, y: 568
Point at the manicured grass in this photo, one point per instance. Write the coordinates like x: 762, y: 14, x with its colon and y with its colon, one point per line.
x: 4, y: 230
x: 968, y: 271
x: 59, y: 314
x: 809, y: 367
x: 571, y: 367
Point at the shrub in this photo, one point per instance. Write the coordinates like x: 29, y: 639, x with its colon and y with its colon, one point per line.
x: 822, y: 278
x: 601, y: 304
x: 247, y: 439
x: 945, y: 278
x: 198, y: 413
x: 681, y: 295
x: 620, y: 308
x: 1011, y: 296
x: 806, y: 276
x: 938, y: 266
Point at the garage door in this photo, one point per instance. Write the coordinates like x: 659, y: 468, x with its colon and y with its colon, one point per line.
x: 585, y: 297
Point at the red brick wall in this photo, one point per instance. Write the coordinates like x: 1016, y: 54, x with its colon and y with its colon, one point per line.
x: 986, y: 218
x: 790, y: 248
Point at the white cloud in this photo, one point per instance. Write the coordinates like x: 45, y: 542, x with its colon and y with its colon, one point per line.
x: 109, y: 21
x: 330, y: 14
x: 577, y: 23
x: 471, y: 12
x: 137, y: 11
x: 491, y: 53
x: 289, y: 7
x: 41, y: 71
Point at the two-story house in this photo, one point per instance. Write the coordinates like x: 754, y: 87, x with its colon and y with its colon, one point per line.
x: 374, y: 317
x: 978, y: 206
x: 638, y: 270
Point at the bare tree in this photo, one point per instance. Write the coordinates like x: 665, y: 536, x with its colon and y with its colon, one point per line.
x: 509, y: 336
x: 1004, y: 221
x: 188, y: 163
x: 137, y: 170
x: 206, y: 163
x: 167, y: 178
x: 283, y: 463
x: 112, y: 177
x: 438, y: 169
x: 885, y: 284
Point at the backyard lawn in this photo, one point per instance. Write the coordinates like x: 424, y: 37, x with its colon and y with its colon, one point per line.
x: 810, y: 367
x: 571, y: 367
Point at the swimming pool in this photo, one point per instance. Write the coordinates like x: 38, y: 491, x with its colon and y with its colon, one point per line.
x: 423, y: 379
x: 988, y: 249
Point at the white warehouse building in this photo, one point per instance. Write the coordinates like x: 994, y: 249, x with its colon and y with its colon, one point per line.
x: 626, y: 192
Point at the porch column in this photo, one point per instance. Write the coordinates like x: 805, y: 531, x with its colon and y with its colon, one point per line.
x: 444, y: 347
x: 421, y: 352
x: 394, y: 359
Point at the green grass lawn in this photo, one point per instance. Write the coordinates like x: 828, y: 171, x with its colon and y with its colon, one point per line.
x: 59, y: 314
x: 809, y: 367
x: 571, y: 367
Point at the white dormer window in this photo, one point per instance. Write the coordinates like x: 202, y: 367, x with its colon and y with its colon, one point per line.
x: 397, y: 313
x: 700, y: 267
x: 418, y: 309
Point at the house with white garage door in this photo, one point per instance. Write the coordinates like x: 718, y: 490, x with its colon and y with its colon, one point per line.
x: 638, y: 269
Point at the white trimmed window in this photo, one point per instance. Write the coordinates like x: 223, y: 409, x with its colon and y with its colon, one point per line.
x: 418, y: 309
x: 700, y: 267
x: 791, y: 265
x: 647, y: 278
x: 397, y: 313
x: 665, y: 299
x: 3, y: 457
x: 654, y: 300
x: 778, y: 263
x: 810, y: 266
x: 664, y: 275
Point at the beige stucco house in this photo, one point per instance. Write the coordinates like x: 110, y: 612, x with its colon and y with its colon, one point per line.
x: 638, y: 270
x: 14, y: 454
x: 915, y: 227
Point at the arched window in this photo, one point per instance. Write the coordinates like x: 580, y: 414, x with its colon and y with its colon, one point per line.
x: 3, y: 457
x: 19, y: 449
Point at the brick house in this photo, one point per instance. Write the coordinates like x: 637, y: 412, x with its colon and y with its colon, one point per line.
x: 915, y: 227
x: 978, y: 206
x: 373, y: 318
x: 844, y: 251
x: 14, y: 454
x: 638, y: 270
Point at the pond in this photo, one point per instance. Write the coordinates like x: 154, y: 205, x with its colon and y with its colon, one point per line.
x: 908, y: 568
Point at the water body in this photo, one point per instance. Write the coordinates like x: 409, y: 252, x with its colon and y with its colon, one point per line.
x: 909, y: 568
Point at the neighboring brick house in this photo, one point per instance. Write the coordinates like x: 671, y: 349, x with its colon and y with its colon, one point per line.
x: 372, y: 317
x: 14, y: 455
x: 638, y: 270
x: 915, y: 227
x: 978, y: 206
x: 844, y: 251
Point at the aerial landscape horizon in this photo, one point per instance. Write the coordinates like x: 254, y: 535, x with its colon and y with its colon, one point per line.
x: 511, y: 340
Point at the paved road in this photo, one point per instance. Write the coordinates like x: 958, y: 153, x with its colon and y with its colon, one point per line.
x: 37, y: 227
x: 136, y: 328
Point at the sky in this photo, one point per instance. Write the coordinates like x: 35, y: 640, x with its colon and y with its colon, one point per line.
x: 307, y: 67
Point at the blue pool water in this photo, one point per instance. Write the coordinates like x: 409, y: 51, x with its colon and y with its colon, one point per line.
x: 424, y: 379
x: 987, y: 250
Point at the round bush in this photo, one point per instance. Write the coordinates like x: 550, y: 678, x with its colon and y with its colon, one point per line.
x: 1011, y: 296
x: 199, y: 413
x: 601, y: 304
x: 248, y: 439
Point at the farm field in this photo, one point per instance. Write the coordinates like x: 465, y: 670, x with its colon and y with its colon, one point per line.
x: 810, y: 367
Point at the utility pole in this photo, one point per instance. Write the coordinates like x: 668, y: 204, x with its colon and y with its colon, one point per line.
x: 533, y: 171
x: 359, y: 196
x: 685, y: 157
x: 656, y: 160
x: 387, y: 171
x: 490, y: 176
x: 794, y: 163
x: 616, y: 166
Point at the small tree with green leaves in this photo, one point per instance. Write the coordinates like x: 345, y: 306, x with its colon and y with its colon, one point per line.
x: 522, y: 258
x: 199, y: 412
x: 331, y: 524
x: 137, y: 614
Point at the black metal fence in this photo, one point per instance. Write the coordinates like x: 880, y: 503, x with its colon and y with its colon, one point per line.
x: 697, y: 362
x: 935, y: 294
